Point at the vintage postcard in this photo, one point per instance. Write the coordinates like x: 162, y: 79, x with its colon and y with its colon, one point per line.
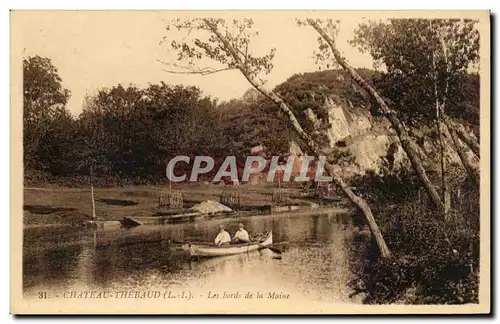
x: 250, y: 162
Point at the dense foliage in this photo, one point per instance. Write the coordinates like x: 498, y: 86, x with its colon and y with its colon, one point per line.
x: 435, y: 260
x: 44, y: 101
x: 427, y: 62
x: 126, y: 133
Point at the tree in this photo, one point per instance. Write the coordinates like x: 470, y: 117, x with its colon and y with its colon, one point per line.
x: 128, y: 132
x: 229, y: 46
x: 44, y: 98
x: 427, y: 62
x: 56, y: 153
x: 327, y: 30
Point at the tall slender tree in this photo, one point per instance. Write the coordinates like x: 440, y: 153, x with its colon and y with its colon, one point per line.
x: 228, y: 44
x: 427, y: 63
x: 327, y: 44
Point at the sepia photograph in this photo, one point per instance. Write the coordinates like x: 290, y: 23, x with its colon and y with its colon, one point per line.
x: 250, y: 162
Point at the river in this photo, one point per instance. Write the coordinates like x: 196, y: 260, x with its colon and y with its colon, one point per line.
x: 314, y: 266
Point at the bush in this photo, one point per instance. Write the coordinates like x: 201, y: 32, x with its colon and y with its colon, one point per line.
x: 435, y: 260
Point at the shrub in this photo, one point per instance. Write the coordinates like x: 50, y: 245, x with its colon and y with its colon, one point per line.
x: 435, y: 260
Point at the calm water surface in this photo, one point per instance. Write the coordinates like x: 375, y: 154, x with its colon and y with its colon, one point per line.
x: 314, y: 266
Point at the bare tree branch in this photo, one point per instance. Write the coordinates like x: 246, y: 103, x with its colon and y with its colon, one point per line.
x: 189, y: 70
x: 310, y: 142
x: 224, y: 48
x: 406, y: 142
x: 197, y: 72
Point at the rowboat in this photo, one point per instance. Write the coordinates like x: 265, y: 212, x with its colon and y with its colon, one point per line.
x: 212, y: 250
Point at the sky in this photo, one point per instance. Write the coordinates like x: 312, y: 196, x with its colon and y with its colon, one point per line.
x: 95, y: 49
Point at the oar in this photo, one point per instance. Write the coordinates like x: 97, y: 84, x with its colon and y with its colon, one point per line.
x: 274, y: 249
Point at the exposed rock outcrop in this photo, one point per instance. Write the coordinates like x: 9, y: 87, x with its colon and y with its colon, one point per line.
x: 368, y: 142
x: 369, y: 139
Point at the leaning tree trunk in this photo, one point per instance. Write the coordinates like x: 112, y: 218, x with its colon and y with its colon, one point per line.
x: 461, y: 149
x: 311, y: 144
x: 472, y: 171
x: 314, y: 147
x: 408, y: 145
x: 466, y: 138
x: 462, y: 134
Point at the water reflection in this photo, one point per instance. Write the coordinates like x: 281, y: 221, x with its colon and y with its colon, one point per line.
x: 315, y: 265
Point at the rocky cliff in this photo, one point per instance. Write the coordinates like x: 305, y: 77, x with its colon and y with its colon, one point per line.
x: 371, y: 142
x: 339, y: 110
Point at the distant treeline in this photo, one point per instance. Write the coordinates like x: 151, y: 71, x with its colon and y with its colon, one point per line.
x: 126, y: 133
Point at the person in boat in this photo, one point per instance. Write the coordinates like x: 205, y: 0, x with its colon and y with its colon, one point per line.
x: 241, y: 235
x: 223, y: 238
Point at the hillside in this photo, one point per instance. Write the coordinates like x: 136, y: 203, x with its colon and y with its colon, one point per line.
x: 349, y: 123
x: 127, y: 133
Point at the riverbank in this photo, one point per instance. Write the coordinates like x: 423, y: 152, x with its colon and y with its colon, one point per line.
x: 50, y: 206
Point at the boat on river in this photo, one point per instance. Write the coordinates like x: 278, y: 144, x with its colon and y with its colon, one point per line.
x: 212, y: 250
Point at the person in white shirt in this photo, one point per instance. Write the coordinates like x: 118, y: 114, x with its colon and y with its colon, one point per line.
x: 241, y: 236
x: 223, y: 238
